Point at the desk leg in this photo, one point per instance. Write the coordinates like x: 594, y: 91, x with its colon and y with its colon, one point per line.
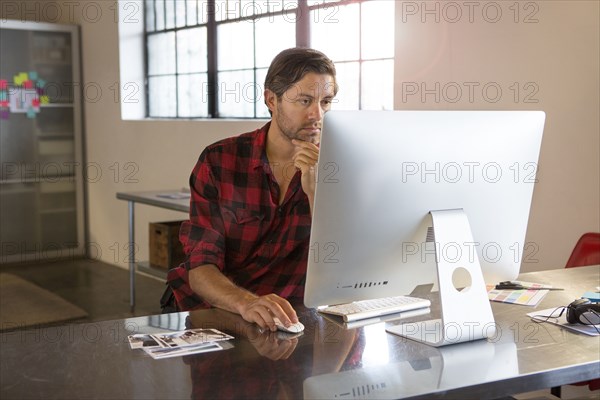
x: 131, y: 256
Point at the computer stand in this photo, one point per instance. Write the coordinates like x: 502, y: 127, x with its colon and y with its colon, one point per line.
x: 466, y: 314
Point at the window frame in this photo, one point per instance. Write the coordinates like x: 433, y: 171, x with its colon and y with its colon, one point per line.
x: 301, y: 13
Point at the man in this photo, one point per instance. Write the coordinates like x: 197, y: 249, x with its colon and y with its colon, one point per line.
x: 251, y: 201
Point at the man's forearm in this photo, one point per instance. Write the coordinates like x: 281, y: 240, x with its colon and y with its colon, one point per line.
x: 218, y: 290
x: 209, y: 283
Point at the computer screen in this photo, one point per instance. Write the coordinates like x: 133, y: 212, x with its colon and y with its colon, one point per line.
x: 381, y: 173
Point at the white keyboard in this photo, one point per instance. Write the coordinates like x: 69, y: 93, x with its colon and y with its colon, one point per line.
x: 376, y: 307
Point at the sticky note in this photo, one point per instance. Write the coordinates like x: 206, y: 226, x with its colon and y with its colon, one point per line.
x: 3, y: 84
x: 4, y: 114
x: 44, y: 100
x: 20, y: 78
x: 30, y: 112
x: 33, y: 75
x: 28, y: 84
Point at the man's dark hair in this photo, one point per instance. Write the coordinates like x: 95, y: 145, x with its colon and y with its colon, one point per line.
x: 290, y: 66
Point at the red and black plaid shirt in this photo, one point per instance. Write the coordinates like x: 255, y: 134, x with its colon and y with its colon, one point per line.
x: 237, y: 224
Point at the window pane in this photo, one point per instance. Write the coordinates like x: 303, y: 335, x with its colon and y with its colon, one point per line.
x: 261, y: 108
x: 169, y: 14
x: 334, y: 30
x: 180, y: 10
x: 227, y: 9
x: 192, y: 95
x: 202, y: 9
x: 347, y: 80
x: 192, y: 12
x: 161, y: 96
x: 149, y: 15
x: 236, y: 45
x: 377, y: 85
x: 281, y: 5
x: 191, y: 50
x: 161, y: 53
x: 377, y: 29
x: 159, y: 9
x: 237, y: 94
x: 273, y: 34
x: 251, y: 8
x: 232, y: 9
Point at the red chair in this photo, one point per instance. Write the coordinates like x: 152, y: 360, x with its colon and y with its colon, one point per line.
x: 586, y: 252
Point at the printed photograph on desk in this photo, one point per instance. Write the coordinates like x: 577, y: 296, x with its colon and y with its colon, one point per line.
x: 190, y: 337
x: 141, y: 340
x: 176, y: 340
x: 180, y: 343
x: 167, y: 352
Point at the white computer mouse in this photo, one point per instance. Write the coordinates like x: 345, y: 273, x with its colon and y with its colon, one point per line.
x: 294, y: 328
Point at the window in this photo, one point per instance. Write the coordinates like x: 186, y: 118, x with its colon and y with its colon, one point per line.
x: 209, y: 58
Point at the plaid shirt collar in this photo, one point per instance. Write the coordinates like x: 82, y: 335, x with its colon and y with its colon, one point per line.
x: 259, y: 150
x: 259, y: 157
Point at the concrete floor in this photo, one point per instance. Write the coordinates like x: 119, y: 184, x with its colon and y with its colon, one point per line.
x: 100, y: 289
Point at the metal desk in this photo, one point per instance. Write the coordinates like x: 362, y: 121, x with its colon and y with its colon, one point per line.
x: 156, y: 199
x: 328, y: 361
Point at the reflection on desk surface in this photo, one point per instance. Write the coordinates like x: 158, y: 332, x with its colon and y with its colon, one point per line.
x: 449, y: 367
x: 266, y: 364
x: 333, y: 362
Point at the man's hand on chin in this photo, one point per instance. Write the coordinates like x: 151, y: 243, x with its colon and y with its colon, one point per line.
x: 305, y: 159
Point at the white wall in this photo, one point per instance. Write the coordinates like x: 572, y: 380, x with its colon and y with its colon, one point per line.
x: 558, y: 55
x: 550, y: 50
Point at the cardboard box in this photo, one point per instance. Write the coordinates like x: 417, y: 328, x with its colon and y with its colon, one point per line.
x: 166, y: 251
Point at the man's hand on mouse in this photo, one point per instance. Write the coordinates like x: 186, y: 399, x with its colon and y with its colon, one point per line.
x: 262, y: 309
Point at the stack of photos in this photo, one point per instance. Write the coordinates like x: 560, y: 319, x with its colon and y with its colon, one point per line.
x: 180, y: 343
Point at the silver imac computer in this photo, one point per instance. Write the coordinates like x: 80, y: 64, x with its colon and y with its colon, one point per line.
x: 409, y: 198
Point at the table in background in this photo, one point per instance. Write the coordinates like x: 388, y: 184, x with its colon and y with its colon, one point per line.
x: 157, y: 199
x: 93, y: 360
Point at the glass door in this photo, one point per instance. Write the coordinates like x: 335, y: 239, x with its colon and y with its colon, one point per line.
x: 41, y: 187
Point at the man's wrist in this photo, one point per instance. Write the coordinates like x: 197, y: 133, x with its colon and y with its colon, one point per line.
x: 241, y: 303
